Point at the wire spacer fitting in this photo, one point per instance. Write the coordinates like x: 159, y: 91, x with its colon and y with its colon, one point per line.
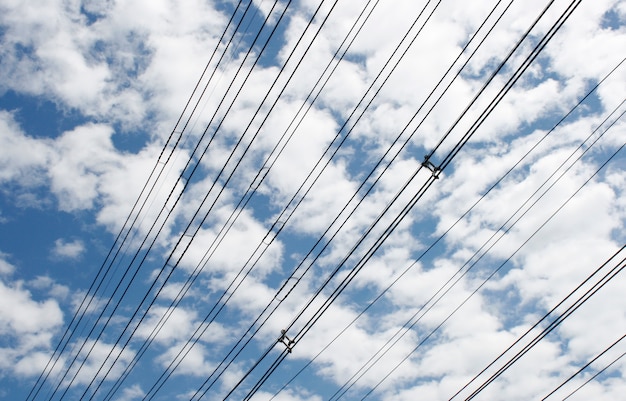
x: 429, y: 165
x: 289, y: 343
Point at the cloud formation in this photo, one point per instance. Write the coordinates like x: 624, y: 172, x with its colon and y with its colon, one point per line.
x: 357, y: 190
x: 68, y: 249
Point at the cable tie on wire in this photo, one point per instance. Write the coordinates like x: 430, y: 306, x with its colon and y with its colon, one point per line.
x: 429, y: 165
x: 289, y: 343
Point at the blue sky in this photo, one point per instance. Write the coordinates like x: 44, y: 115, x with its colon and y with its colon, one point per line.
x: 395, y: 278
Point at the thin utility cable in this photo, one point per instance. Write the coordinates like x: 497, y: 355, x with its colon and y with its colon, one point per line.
x: 471, y: 262
x: 339, y: 289
x: 144, y: 258
x: 159, y: 161
x: 510, y: 257
x: 521, y: 353
x: 435, y: 173
x: 196, y: 271
x: 236, y: 212
x: 191, y: 236
x: 593, y: 89
x: 537, y: 49
x: 607, y: 349
x: 552, y: 184
x: 280, y: 226
x: 598, y: 373
x: 580, y: 147
x: 495, y: 72
x: 553, y: 325
x: 483, y: 116
x: 370, y: 101
x: 489, y: 277
x: 268, y: 165
x: 97, y: 282
x: 361, y: 113
x: 388, y: 207
x: 607, y: 276
x: 266, y: 376
x: 562, y: 164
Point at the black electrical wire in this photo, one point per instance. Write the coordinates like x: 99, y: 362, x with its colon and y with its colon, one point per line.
x: 514, y: 359
x: 97, y: 282
x: 598, y: 373
x: 484, y: 115
x: 553, y: 325
x: 267, y: 165
x: 607, y: 276
x: 359, y: 117
x: 498, y: 268
x: 194, y: 275
x: 450, y: 228
x: 580, y: 147
x: 545, y: 182
x: 348, y: 279
x: 607, y: 349
x: 476, y: 290
x: 408, y: 325
x: 370, y: 101
x: 298, y: 125
x: 145, y: 256
x: 511, y: 81
x: 280, y: 226
x: 509, y: 224
x: 455, y: 151
x: 192, y: 236
x: 266, y: 375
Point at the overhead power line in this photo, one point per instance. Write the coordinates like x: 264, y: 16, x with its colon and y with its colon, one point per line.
x: 163, y: 159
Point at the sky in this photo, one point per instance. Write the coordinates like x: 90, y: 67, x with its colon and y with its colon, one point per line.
x: 312, y: 200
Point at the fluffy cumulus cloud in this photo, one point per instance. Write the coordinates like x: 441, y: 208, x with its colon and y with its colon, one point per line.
x: 28, y: 324
x: 68, y: 249
x: 327, y: 199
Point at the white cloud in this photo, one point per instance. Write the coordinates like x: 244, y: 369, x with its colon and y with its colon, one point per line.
x: 128, y: 68
x: 131, y: 393
x: 27, y: 326
x: 68, y: 249
x: 6, y: 269
x: 97, y: 361
x: 20, y: 314
x: 23, y: 157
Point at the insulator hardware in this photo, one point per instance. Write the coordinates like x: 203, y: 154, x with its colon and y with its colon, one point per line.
x: 289, y: 343
x: 429, y: 165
